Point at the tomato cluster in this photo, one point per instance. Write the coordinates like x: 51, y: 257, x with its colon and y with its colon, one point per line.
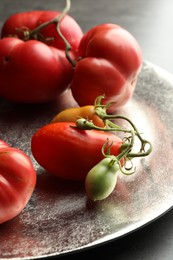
x: 45, y: 55
x: 42, y: 55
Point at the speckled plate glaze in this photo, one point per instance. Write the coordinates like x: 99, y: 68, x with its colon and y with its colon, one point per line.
x: 59, y: 219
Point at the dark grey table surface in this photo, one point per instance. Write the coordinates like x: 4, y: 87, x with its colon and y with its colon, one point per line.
x: 151, y: 22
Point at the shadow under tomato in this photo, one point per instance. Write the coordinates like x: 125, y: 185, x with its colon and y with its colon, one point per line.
x: 50, y: 184
x: 13, y: 110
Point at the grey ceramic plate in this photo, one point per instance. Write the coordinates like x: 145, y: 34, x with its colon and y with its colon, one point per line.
x: 59, y: 218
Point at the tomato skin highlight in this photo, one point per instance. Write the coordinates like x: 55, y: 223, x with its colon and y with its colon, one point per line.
x: 17, y: 182
x: 73, y: 114
x: 3, y: 144
x: 68, y: 152
x: 109, y: 64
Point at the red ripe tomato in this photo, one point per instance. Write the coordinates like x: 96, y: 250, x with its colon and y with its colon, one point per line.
x: 20, y: 23
x: 32, y: 72
x: 109, y: 62
x: 33, y: 63
x: 68, y: 152
x: 17, y: 181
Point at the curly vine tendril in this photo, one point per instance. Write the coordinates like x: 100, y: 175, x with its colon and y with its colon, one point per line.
x: 128, y: 141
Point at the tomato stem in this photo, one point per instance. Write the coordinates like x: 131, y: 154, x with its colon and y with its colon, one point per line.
x: 55, y: 20
x: 128, y: 144
x: 35, y: 33
x: 123, y: 159
x: 85, y: 124
x: 123, y: 154
x: 101, y: 112
x: 67, y: 45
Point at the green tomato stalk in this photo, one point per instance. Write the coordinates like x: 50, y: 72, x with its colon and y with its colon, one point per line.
x: 36, y: 32
x: 100, y: 110
x: 101, y: 179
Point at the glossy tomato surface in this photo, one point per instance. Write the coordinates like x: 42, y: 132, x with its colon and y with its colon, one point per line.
x: 68, y: 152
x: 109, y: 64
x: 17, y: 181
x: 33, y: 63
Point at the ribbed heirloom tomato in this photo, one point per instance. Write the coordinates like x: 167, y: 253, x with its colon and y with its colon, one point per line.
x: 109, y: 62
x: 17, y: 181
x: 69, y: 153
x: 33, y: 64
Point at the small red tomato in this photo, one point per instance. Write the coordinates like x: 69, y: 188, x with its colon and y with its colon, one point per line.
x: 68, y: 152
x: 17, y: 181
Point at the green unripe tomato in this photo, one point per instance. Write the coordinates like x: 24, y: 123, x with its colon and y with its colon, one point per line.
x: 101, y: 179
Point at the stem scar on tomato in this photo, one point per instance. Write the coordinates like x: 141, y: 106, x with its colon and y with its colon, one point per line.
x: 6, y: 59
